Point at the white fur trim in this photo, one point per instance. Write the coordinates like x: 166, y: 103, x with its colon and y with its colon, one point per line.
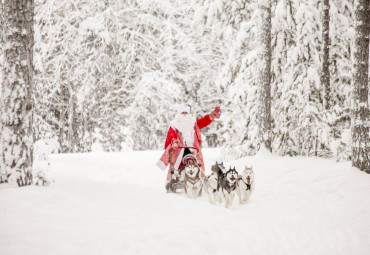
x: 173, y: 125
x: 179, y: 158
x: 161, y: 165
x: 183, y: 108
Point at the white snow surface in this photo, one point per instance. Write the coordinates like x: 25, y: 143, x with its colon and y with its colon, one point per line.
x: 115, y: 203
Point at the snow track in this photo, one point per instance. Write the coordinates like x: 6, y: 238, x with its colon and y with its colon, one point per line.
x: 115, y: 203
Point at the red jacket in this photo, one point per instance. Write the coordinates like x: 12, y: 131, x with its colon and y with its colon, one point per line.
x: 173, y: 156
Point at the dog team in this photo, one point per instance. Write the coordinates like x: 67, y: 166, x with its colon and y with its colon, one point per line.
x: 220, y: 185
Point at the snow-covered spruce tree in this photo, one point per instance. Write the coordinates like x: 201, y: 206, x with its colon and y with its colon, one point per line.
x: 264, y: 75
x: 302, y: 98
x: 341, y: 34
x: 234, y: 23
x: 360, y: 85
x: 69, y: 60
x: 16, y: 97
x: 283, y: 41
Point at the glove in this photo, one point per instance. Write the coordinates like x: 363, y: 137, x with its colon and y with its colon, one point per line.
x: 216, y: 112
x: 175, y: 144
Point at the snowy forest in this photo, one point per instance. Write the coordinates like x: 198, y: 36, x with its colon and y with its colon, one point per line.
x: 89, y: 91
x: 290, y: 74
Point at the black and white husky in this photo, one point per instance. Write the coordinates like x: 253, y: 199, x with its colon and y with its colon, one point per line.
x: 227, y: 184
x: 211, y: 182
x: 193, y: 177
x: 245, y: 184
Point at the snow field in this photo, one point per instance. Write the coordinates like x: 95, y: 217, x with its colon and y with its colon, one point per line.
x: 115, y: 203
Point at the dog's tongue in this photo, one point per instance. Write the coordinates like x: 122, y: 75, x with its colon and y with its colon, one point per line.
x: 248, y: 180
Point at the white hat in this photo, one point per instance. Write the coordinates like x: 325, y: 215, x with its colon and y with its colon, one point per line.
x: 183, y: 108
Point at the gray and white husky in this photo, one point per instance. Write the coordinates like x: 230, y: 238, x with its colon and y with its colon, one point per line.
x: 193, y: 177
x: 211, y: 182
x: 245, y: 184
x: 227, y: 184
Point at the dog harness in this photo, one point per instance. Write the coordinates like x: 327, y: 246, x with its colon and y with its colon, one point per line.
x: 195, y: 182
x: 248, y: 185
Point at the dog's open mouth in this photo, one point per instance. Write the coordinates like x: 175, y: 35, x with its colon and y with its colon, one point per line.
x: 248, y: 180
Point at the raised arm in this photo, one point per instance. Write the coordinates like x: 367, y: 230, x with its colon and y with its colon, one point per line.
x: 204, y: 121
x: 209, y: 118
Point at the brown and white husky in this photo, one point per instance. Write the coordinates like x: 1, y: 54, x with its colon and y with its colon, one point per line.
x: 211, y: 181
x: 245, y: 184
x: 193, y: 177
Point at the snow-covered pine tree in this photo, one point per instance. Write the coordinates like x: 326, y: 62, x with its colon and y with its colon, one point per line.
x: 264, y: 74
x: 234, y: 23
x: 238, y: 83
x: 16, y: 104
x: 341, y: 34
x: 360, y: 85
x: 283, y: 41
x: 301, y: 98
x: 56, y: 82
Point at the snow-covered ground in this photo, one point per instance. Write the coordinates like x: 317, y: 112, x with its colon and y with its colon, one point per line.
x: 115, y: 203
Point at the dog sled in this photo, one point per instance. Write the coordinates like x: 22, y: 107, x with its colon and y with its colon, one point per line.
x: 176, y: 183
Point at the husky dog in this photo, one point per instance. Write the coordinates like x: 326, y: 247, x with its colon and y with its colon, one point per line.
x: 211, y: 182
x: 176, y: 183
x: 217, y: 167
x: 193, y: 177
x: 245, y: 184
x: 227, y: 184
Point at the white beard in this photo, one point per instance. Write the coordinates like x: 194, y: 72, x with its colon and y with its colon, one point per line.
x: 185, y: 124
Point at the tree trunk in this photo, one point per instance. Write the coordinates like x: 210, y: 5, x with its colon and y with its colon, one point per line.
x: 16, y: 97
x: 264, y: 76
x: 70, y: 118
x: 325, y: 74
x: 360, y: 88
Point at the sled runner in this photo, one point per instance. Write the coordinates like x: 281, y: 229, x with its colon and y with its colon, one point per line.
x: 176, y: 183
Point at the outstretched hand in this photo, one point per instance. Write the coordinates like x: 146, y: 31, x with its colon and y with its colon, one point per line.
x: 216, y: 112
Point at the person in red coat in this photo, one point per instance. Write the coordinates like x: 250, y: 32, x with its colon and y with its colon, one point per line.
x: 184, y: 131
